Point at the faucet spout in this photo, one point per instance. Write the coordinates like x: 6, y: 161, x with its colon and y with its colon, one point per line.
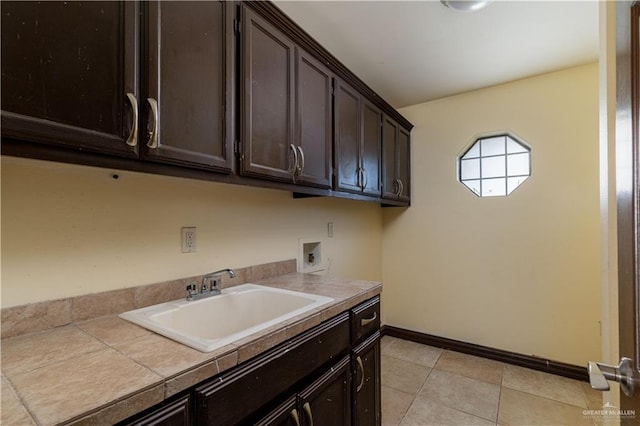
x: 222, y: 271
x: 207, y: 290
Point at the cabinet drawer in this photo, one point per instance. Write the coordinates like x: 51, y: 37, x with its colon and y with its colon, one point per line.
x: 231, y: 398
x: 365, y: 319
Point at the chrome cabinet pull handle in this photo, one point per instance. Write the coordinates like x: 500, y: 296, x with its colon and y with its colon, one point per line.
x: 361, y: 367
x: 294, y: 416
x: 293, y: 165
x: 367, y: 321
x: 153, y: 134
x: 358, y: 178
x: 132, y: 140
x: 364, y: 178
x: 300, y: 169
x: 307, y: 409
x: 400, y: 187
x: 396, y: 187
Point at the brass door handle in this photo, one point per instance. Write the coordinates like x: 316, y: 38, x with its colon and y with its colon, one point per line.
x: 294, y: 416
x: 300, y: 168
x: 153, y: 134
x: 132, y: 140
x: 359, y: 361
x: 293, y: 165
x: 307, y: 409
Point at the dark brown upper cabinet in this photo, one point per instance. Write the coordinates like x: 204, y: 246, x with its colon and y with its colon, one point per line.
x: 314, y: 108
x: 396, y: 161
x: 69, y: 74
x: 357, y: 141
x: 286, y: 114
x: 189, y: 83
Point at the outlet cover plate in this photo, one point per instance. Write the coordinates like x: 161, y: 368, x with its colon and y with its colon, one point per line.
x: 189, y: 239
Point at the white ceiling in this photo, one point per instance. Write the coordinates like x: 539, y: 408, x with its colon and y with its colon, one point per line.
x: 414, y: 51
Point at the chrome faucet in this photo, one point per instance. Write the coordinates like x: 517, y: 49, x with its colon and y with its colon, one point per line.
x: 208, y: 290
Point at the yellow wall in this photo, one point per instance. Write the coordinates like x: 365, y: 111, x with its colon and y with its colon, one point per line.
x: 71, y: 230
x: 518, y: 273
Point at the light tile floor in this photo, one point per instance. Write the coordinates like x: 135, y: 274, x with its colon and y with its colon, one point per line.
x: 423, y: 385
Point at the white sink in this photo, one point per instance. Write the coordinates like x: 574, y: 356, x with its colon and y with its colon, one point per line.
x: 208, y: 324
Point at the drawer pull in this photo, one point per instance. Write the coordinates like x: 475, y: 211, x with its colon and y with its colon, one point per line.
x: 359, y: 361
x: 367, y: 321
x: 307, y: 409
x: 294, y: 416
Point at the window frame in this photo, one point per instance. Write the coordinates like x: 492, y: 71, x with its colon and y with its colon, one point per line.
x: 506, y: 152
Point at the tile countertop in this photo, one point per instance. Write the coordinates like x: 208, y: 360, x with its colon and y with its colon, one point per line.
x: 104, y: 370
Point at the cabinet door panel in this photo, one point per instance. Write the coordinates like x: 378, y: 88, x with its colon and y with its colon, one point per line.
x: 268, y: 99
x: 66, y: 70
x: 315, y: 114
x: 329, y: 397
x: 404, y: 163
x: 190, y: 76
x: 347, y: 139
x: 371, y: 121
x: 366, y: 386
x: 389, y: 158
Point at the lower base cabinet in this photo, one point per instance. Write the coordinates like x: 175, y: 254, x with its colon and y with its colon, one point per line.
x: 327, y: 401
x: 366, y: 382
x: 323, y: 376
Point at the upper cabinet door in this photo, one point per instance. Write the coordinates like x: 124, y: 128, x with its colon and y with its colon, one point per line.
x: 69, y: 74
x: 267, y: 94
x: 347, y: 137
x: 371, y: 131
x: 390, y: 185
x: 189, y: 87
x: 314, y: 108
x: 404, y: 164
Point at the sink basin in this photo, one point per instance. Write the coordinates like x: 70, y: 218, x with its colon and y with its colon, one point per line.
x: 210, y: 323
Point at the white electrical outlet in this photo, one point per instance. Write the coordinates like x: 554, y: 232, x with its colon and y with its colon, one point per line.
x: 189, y: 239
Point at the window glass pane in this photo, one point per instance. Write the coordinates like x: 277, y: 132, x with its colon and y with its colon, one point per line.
x: 470, y: 169
x: 517, y: 164
x: 473, y: 152
x: 514, y: 182
x: 494, y: 187
x: 473, y: 185
x: 513, y: 146
x: 493, y: 167
x: 493, y: 146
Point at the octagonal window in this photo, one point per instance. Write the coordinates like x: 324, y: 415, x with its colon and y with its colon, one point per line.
x: 495, y: 165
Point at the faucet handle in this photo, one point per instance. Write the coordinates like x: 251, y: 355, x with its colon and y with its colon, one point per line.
x: 192, y: 289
